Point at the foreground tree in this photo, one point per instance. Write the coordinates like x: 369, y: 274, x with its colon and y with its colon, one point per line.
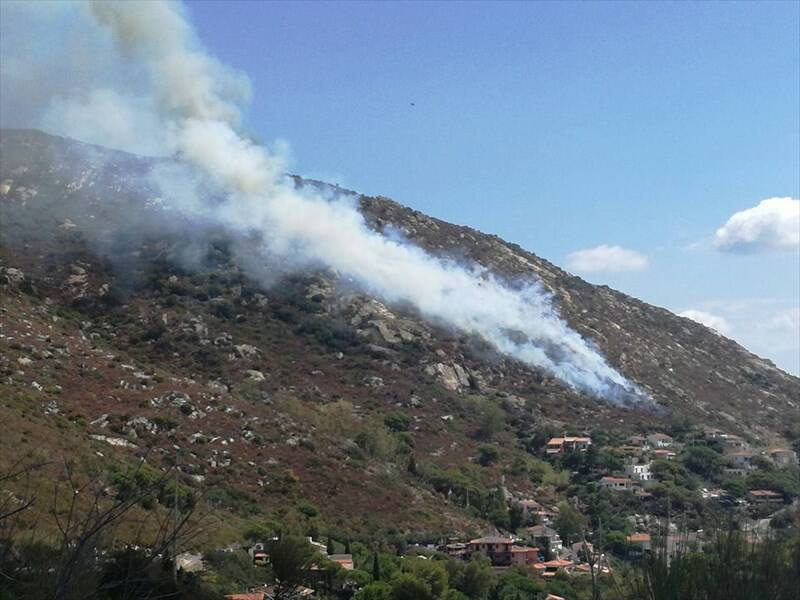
x: 290, y: 557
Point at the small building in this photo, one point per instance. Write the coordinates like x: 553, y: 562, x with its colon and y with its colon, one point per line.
x: 741, y: 459
x: 578, y: 551
x: 552, y: 567
x: 764, y: 497
x: 343, y: 560
x: 496, y: 549
x: 711, y: 433
x: 543, y: 535
x: 659, y: 440
x: 731, y: 442
x: 638, y: 471
x: 524, y: 556
x: 640, y: 543
x: 559, y: 445
x: 638, y: 441
x: 782, y: 457
x: 532, y: 508
x: 664, y: 454
x: 458, y: 550
x: 616, y: 484
x: 735, y: 472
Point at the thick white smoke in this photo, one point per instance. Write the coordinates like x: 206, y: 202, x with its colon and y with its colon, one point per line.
x: 199, y: 102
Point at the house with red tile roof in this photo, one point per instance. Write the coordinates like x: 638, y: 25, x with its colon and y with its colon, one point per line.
x: 764, y: 497
x: 559, y: 445
x: 497, y: 549
x: 552, y: 567
x: 524, y: 556
x: 782, y: 457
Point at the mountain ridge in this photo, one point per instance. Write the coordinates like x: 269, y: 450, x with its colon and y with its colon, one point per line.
x: 298, y: 367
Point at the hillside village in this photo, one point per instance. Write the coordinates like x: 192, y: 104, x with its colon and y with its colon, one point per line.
x: 536, y: 548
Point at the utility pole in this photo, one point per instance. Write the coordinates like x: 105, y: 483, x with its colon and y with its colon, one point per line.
x: 177, y: 519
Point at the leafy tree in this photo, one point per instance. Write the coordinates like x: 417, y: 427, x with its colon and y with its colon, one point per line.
x: 516, y: 516
x: 432, y: 573
x: 492, y: 421
x: 704, y: 461
x: 569, y: 523
x: 516, y: 585
x: 306, y: 508
x: 397, y: 421
x: 617, y: 542
x: 735, y: 487
x: 376, y: 568
x: 487, y: 455
x: 729, y: 569
x: 290, y: 558
x: 476, y: 579
x: 375, y: 591
x: 406, y: 586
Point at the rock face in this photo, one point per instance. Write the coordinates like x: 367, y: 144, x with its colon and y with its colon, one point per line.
x: 160, y: 335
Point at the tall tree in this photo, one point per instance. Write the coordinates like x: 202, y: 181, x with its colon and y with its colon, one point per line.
x: 376, y: 568
x: 290, y: 557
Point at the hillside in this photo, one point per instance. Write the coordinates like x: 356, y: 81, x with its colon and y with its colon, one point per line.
x: 128, y: 329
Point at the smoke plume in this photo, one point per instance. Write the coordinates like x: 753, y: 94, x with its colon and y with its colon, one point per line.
x: 198, y: 103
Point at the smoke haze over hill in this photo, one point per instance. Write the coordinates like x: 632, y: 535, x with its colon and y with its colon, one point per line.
x: 187, y: 104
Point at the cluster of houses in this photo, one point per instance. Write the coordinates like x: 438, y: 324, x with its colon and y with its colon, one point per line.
x: 640, y: 451
x: 741, y: 458
x: 506, y: 552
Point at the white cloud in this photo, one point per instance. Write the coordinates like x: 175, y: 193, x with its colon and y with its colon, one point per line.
x: 768, y: 327
x: 606, y: 259
x: 772, y: 225
x: 715, y: 322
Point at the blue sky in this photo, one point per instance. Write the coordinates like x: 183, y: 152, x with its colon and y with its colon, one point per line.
x: 559, y: 126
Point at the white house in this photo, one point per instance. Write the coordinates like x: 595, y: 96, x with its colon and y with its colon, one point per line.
x: 638, y: 471
x: 659, y: 440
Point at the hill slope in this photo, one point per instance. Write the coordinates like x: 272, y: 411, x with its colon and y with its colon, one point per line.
x: 127, y: 329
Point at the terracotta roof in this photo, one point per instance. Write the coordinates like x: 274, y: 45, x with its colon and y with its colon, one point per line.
x: 558, y: 563
x: 554, y: 597
x: 492, y: 540
x: 611, y: 479
x: 542, y: 530
x: 660, y: 436
x: 524, y: 549
x: 529, y: 504
x: 251, y: 596
x: 765, y: 494
x: 639, y: 537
